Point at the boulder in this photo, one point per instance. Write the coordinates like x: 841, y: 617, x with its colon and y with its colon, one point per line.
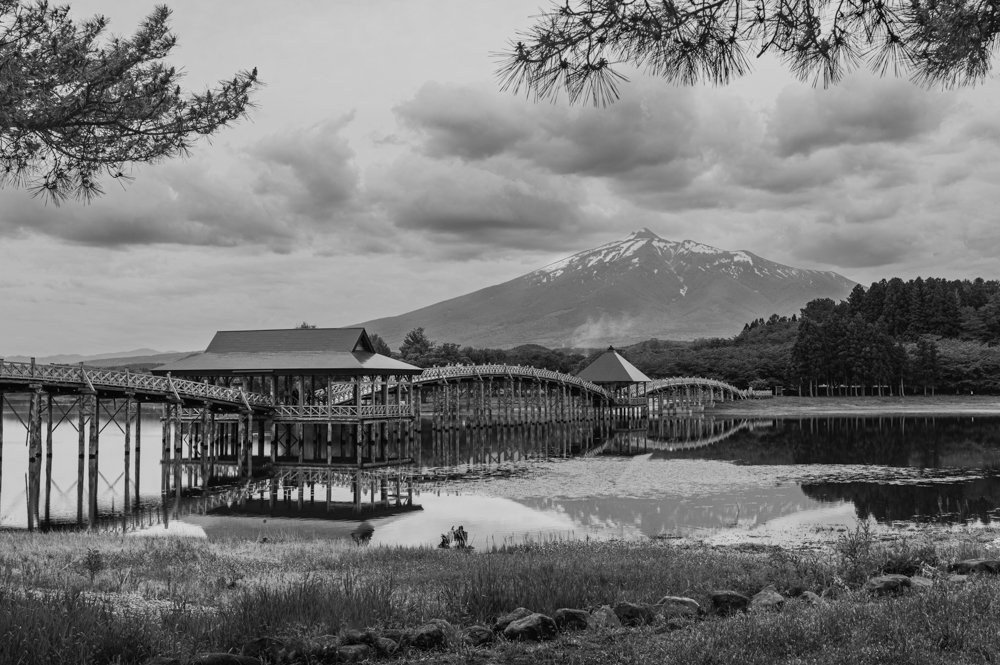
x: 633, y: 614
x: 570, y: 619
x: 267, y: 647
x: 767, y: 600
x: 397, y: 635
x: 919, y: 582
x: 352, y: 636
x: 532, y: 628
x: 223, y: 659
x: 479, y: 636
x: 678, y: 606
x: 605, y: 617
x: 725, y: 602
x: 884, y: 584
x: 353, y: 653
x: 431, y: 635
x: 969, y: 566
x: 509, y: 618
x: 385, y: 646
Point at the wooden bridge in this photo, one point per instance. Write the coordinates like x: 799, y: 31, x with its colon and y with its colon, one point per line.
x: 339, y: 429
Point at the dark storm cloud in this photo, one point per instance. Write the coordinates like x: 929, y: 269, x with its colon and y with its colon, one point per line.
x: 286, y: 185
x: 467, y: 212
x: 650, y: 127
x: 850, y: 249
x: 311, y: 169
x: 658, y: 128
x: 462, y: 122
x: 859, y: 111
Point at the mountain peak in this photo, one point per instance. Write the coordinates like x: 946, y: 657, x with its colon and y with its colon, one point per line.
x: 645, y: 233
x: 623, y: 291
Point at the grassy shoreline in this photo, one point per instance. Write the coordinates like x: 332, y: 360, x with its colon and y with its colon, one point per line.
x: 70, y: 598
x: 790, y: 406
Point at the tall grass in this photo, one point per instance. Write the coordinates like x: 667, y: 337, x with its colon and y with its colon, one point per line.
x: 68, y: 598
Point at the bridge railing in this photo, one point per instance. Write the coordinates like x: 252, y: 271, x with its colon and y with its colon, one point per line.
x: 90, y: 377
x: 484, y: 371
x: 679, y: 381
x: 323, y: 413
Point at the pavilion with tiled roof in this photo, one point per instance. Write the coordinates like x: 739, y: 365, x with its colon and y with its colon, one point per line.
x: 338, y: 404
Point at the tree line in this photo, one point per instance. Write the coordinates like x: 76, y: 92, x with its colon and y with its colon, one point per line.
x: 917, y: 336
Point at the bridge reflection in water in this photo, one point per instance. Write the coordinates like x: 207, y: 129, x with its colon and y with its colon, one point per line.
x: 743, y: 472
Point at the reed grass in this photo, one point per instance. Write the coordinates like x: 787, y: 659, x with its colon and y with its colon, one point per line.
x: 101, y: 598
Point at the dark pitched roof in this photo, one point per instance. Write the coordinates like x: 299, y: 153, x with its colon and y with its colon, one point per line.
x: 610, y: 367
x: 344, y: 340
x: 345, y: 351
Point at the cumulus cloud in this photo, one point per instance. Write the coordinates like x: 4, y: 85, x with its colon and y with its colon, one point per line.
x: 817, y: 168
x: 462, y: 121
x: 311, y: 170
x: 859, y: 111
x: 464, y: 212
x: 851, y: 249
x: 282, y: 188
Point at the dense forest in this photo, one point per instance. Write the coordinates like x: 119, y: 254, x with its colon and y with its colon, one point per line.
x: 918, y: 336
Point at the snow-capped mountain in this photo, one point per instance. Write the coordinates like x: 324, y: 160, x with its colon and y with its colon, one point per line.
x: 622, y: 292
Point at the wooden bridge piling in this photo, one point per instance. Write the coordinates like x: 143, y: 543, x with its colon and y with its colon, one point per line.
x: 92, y: 454
x: 138, y: 446
x: 128, y: 454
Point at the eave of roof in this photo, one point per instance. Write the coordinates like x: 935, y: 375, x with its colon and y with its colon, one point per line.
x: 359, y: 363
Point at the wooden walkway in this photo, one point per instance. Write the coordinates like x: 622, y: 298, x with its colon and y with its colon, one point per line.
x: 107, y: 384
x: 209, y: 429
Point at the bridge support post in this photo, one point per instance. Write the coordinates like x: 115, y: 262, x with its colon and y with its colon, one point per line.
x: 164, y: 449
x: 95, y: 437
x: 34, y: 424
x: 138, y: 446
x: 127, y: 506
x: 48, y: 462
x: 241, y: 446
x: 177, y: 432
x: 205, y: 445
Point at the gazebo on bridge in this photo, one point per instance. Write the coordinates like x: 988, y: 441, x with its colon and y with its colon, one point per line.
x: 625, y: 384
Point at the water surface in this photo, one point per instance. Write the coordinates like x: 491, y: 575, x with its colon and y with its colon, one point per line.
x: 678, y: 478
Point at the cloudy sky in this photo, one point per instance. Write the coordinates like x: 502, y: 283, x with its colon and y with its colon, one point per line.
x: 385, y: 171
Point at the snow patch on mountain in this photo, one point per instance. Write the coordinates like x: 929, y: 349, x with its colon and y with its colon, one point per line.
x: 645, y: 249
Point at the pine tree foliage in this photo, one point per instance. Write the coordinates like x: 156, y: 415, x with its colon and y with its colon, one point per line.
x: 76, y: 106
x: 575, y: 45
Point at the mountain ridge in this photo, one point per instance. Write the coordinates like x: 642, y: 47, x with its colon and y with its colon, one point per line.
x: 622, y: 292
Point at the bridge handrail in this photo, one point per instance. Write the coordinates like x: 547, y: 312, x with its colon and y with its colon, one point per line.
x: 480, y: 371
x: 97, y: 377
x: 659, y: 384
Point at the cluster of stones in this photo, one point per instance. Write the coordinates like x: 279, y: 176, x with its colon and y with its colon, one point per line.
x: 670, y: 613
x: 959, y: 572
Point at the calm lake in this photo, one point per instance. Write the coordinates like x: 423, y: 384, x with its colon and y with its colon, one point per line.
x: 709, y: 478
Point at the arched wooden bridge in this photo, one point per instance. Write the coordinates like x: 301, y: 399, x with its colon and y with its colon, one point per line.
x: 211, y: 430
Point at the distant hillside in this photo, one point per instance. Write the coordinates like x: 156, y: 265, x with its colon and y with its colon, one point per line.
x: 623, y: 292
x: 131, y: 359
